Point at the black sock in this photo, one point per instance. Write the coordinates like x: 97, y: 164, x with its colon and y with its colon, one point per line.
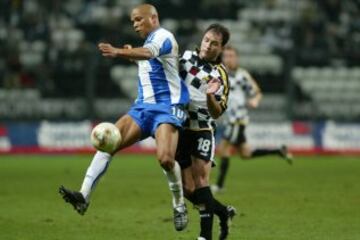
x: 219, y: 209
x: 224, y: 166
x: 206, y: 211
x: 192, y: 198
x: 263, y: 152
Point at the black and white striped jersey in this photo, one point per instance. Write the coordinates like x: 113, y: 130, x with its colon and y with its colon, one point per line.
x: 240, y: 91
x: 196, y: 73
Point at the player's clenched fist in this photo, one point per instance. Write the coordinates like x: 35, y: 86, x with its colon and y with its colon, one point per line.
x: 107, y: 50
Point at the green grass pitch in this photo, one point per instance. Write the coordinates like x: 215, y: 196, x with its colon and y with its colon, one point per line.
x: 318, y: 198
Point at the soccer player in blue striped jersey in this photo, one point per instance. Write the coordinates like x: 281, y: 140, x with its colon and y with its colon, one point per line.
x: 157, y: 111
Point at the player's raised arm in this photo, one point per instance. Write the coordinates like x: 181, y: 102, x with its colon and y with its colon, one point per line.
x: 255, y: 99
x: 140, y: 53
x: 145, y: 21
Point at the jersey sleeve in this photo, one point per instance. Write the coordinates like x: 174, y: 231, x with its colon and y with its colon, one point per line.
x: 250, y: 89
x: 223, y: 93
x: 160, y: 44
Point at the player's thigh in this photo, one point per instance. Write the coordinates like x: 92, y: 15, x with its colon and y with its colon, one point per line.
x: 183, y: 150
x: 166, y: 137
x: 221, y: 147
x: 202, y: 156
x: 235, y: 134
x: 226, y: 149
x: 237, y: 141
x: 130, y: 131
x: 203, y: 144
x: 244, y: 150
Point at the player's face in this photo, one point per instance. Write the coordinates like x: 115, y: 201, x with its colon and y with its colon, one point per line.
x: 230, y: 59
x: 211, y: 47
x: 142, y: 22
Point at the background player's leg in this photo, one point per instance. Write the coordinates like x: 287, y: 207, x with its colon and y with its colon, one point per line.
x: 225, y: 153
x: 247, y: 154
x: 245, y: 151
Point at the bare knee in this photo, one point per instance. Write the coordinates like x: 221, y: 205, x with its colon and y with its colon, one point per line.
x: 188, y: 190
x: 166, y: 160
x: 245, y: 153
x: 201, y: 182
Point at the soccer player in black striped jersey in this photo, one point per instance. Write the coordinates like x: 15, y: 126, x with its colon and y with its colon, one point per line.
x: 207, y: 82
x: 244, y: 93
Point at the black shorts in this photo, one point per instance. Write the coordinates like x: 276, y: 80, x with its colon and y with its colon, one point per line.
x: 198, y: 144
x: 235, y: 134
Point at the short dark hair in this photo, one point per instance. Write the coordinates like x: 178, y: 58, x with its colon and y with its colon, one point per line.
x: 220, y: 29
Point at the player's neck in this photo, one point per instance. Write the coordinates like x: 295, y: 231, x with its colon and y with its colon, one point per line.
x: 154, y: 29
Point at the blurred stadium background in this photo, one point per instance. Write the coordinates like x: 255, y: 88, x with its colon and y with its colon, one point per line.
x: 54, y: 85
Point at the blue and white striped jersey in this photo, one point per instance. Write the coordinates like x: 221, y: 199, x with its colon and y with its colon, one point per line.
x: 159, y: 79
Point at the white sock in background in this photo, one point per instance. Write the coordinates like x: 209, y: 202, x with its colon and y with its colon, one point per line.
x: 175, y: 184
x: 96, y: 169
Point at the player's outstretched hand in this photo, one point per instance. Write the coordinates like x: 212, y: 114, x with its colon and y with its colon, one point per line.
x: 107, y: 50
x: 213, y: 86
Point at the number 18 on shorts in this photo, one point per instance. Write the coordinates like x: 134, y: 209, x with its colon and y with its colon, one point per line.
x: 199, y: 144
